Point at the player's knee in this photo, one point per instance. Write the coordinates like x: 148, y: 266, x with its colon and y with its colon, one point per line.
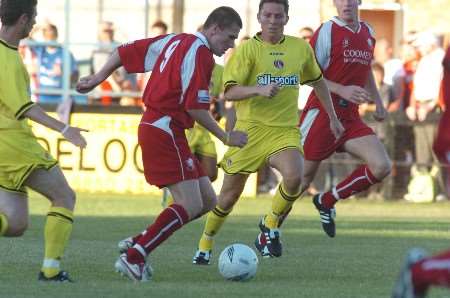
x: 69, y: 198
x: 17, y: 228
x: 293, y: 181
x: 382, y: 168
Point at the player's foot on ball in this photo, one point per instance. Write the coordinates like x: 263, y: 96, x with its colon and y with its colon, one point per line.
x: 327, y: 216
x: 139, y: 272
x: 202, y: 258
x: 125, y: 244
x: 271, y: 239
x: 260, y: 244
x: 62, y: 276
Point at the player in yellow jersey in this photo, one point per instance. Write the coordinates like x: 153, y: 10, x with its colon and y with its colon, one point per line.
x: 262, y: 78
x: 23, y: 162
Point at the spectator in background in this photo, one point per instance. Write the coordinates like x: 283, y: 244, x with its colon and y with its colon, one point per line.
x: 384, y: 54
x: 441, y: 144
x: 422, y: 110
x: 306, y: 33
x: 159, y: 28
x: 50, y: 61
x: 120, y: 80
x: 425, y: 96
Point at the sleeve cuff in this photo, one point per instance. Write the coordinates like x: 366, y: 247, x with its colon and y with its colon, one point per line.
x: 23, y: 109
x: 312, y: 81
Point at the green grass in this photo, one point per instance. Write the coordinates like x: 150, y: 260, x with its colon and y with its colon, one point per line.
x: 362, y: 261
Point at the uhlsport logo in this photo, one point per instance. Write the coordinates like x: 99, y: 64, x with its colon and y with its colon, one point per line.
x: 267, y: 78
x: 278, y: 64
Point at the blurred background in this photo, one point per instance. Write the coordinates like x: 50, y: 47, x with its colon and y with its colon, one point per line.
x: 74, y: 38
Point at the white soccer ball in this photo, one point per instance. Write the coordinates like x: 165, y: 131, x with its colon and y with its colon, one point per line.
x: 238, y: 262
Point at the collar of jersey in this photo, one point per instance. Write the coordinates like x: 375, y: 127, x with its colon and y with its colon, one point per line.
x: 258, y: 38
x: 341, y: 23
x: 202, y: 38
x: 8, y: 45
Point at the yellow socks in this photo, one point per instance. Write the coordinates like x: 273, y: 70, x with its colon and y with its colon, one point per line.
x: 281, y: 202
x: 3, y: 224
x: 56, y: 235
x: 214, y: 222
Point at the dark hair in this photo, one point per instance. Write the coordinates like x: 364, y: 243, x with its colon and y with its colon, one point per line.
x: 160, y: 24
x: 284, y: 2
x: 223, y: 17
x: 11, y: 10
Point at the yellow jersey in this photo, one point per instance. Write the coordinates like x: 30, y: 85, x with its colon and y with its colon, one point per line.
x: 15, y: 92
x: 289, y: 63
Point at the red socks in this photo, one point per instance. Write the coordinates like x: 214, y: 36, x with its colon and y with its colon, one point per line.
x: 431, y: 271
x: 169, y: 220
x: 360, y: 180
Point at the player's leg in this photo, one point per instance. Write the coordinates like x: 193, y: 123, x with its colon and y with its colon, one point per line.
x: 188, y: 204
x: 289, y: 163
x: 53, y: 185
x: 13, y: 213
x: 431, y: 271
x: 232, y: 188
x: 377, y: 166
x: 209, y: 165
x: 310, y: 168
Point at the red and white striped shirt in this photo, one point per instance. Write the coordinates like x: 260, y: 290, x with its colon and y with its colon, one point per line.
x: 181, y: 66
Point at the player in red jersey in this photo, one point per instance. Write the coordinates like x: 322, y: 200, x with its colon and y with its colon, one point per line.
x: 176, y: 95
x: 344, y: 49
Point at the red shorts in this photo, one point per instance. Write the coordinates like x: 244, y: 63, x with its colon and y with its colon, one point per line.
x: 166, y: 156
x: 317, y: 139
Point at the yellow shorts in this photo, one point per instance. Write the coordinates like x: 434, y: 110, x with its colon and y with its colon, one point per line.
x: 263, y: 142
x: 200, y: 141
x: 20, y: 154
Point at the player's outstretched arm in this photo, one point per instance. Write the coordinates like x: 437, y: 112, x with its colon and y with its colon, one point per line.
x: 88, y: 83
x: 231, y: 138
x: 237, y: 92
x: 321, y: 89
x: 72, y: 134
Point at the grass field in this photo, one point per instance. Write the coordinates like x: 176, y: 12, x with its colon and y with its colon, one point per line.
x: 362, y: 261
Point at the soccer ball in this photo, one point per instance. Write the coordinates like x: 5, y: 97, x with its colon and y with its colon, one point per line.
x: 238, y: 262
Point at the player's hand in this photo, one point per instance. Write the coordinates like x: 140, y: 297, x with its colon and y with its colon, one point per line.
x: 411, y: 113
x: 236, y: 138
x: 380, y: 113
x: 73, y: 135
x: 86, y: 84
x: 336, y: 128
x: 269, y: 90
x: 355, y: 94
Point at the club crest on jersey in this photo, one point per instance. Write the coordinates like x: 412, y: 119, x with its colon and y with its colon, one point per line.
x: 190, y: 164
x: 278, y: 64
x: 370, y: 43
x: 203, y: 96
x: 345, y: 43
